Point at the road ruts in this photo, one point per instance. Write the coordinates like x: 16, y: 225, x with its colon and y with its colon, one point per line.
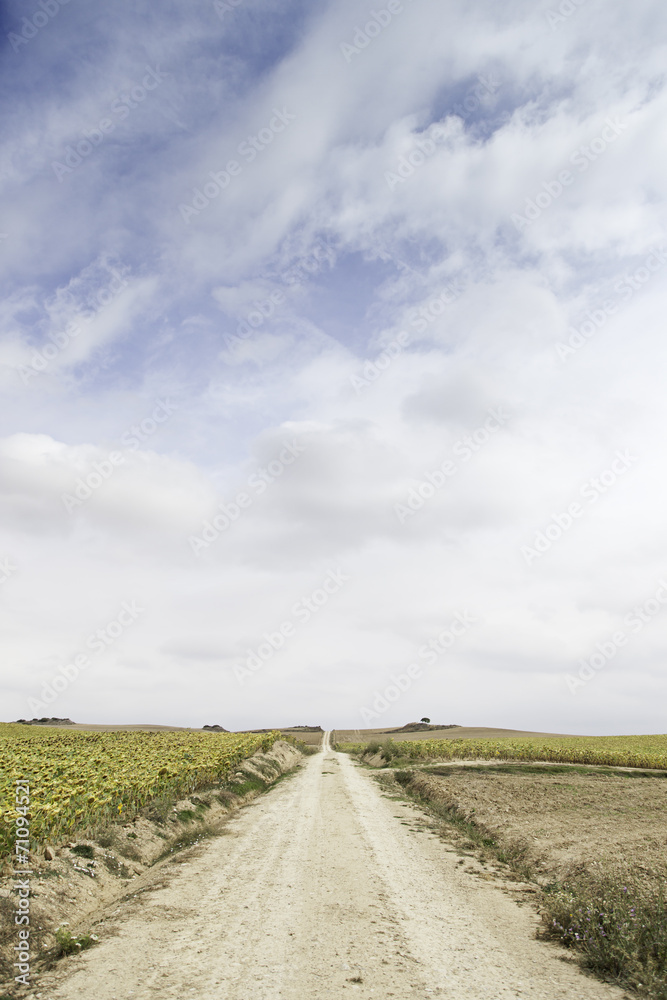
x: 322, y: 888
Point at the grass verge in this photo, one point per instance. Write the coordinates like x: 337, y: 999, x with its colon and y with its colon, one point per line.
x: 618, y: 929
x: 68, y: 944
x: 513, y: 853
x: 230, y: 793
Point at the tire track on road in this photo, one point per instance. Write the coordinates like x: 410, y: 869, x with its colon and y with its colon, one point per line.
x: 319, y: 888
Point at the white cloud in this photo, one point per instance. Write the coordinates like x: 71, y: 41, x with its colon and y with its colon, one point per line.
x: 483, y: 301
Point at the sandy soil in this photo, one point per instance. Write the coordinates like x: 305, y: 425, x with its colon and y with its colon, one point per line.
x: 323, y: 886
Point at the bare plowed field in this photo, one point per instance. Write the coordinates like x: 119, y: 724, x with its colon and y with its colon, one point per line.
x: 566, y: 820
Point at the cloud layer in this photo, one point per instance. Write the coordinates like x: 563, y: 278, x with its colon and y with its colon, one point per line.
x: 299, y: 293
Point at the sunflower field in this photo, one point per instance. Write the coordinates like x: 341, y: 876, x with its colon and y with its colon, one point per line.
x: 613, y: 751
x: 80, y: 779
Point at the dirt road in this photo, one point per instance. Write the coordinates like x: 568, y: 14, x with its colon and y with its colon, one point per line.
x: 323, y: 888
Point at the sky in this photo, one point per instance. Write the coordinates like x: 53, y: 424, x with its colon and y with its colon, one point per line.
x: 332, y: 363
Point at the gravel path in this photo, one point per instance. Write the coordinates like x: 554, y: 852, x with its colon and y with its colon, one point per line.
x: 322, y: 888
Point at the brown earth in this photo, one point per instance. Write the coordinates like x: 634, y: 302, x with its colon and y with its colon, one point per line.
x: 568, y: 822
x: 457, y: 733
x: 421, y: 727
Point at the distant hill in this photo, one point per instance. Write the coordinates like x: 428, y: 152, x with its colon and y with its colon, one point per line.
x: 45, y: 722
x: 419, y: 727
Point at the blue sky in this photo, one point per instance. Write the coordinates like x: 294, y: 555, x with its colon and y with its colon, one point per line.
x: 292, y: 290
